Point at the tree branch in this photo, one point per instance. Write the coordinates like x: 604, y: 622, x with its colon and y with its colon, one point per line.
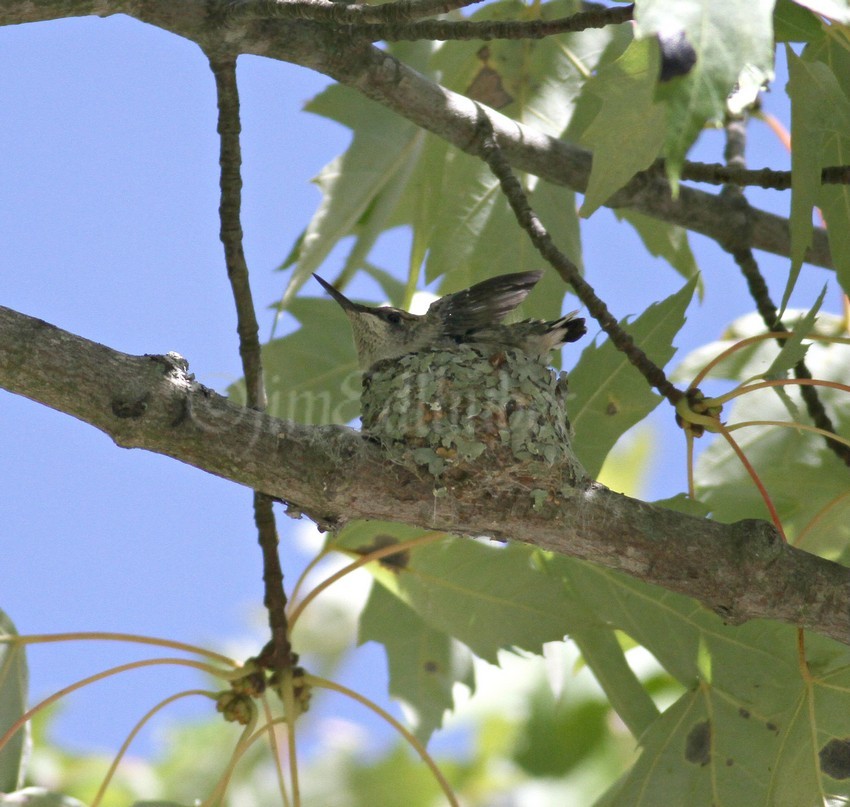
x: 742, y: 571
x: 541, y: 239
x: 486, y: 30
x: 277, y: 654
x: 383, y: 78
x: 324, y: 10
x: 715, y: 174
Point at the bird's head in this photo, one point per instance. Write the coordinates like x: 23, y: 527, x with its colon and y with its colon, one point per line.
x: 380, y: 332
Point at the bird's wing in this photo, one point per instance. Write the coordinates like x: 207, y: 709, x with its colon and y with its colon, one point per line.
x: 485, y: 303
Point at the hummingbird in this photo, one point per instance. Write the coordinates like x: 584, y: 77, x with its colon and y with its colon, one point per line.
x: 472, y: 316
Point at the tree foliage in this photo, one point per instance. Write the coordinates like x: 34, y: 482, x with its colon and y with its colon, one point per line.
x: 670, y: 701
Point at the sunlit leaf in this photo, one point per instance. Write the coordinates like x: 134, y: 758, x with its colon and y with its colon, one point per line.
x: 361, y: 187
x: 727, y: 38
x: 392, y: 174
x: 626, y: 467
x: 628, y: 114
x: 820, y: 125
x: 768, y: 718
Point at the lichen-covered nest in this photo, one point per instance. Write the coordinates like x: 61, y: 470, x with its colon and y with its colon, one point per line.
x: 473, y: 405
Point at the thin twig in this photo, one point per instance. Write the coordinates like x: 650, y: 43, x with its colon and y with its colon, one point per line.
x: 230, y: 160
x: 734, y: 155
x: 344, y: 13
x: 492, y: 155
x: 715, y: 174
x: 278, y: 653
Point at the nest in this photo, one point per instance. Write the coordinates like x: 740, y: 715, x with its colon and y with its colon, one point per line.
x: 471, y: 407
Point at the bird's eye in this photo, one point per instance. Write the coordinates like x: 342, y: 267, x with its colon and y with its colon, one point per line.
x: 394, y: 317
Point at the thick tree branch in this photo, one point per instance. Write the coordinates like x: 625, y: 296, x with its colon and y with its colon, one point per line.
x: 486, y: 30
x: 742, y: 570
x: 345, y: 13
x: 353, y: 61
x: 393, y: 21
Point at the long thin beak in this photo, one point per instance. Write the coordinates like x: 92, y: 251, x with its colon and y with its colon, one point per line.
x: 346, y: 304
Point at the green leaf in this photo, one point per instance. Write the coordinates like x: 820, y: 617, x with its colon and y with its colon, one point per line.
x: 627, y: 111
x: 376, y: 218
x: 820, y: 126
x: 473, y: 234
x: 749, y: 361
x: 753, y: 360
x: 394, y: 289
x: 541, y: 79
x: 312, y: 375
x: 808, y: 84
x: 393, y: 175
x: 13, y: 703
x: 497, y: 255
x: 607, y: 394
x: 834, y: 200
x: 768, y: 717
x: 793, y: 351
x: 559, y: 734
x: 737, y: 741
x: 360, y: 187
x: 556, y: 207
x: 488, y: 596
x: 424, y: 663
x: 627, y: 464
x: 793, y: 23
x: 604, y: 654
x: 471, y: 194
x: 476, y: 235
x: 804, y: 479
x: 732, y: 41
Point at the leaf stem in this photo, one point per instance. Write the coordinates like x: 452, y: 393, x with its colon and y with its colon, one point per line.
x: 377, y: 554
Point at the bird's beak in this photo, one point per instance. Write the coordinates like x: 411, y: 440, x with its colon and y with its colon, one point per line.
x: 346, y: 304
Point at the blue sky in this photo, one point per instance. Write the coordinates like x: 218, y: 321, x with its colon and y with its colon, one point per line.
x: 109, y: 185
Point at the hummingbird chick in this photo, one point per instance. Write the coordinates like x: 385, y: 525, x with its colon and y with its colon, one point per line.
x: 468, y: 317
